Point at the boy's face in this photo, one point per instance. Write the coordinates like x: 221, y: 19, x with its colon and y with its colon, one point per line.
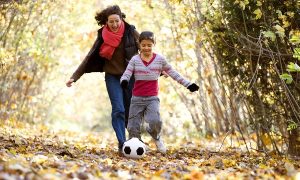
x: 146, y: 47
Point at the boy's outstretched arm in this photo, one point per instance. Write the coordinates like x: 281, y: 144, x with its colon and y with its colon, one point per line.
x: 174, y: 74
x: 177, y: 77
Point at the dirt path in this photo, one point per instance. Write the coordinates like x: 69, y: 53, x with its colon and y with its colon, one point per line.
x: 36, y: 152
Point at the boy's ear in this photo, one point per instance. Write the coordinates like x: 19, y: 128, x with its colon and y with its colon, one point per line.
x: 139, y: 46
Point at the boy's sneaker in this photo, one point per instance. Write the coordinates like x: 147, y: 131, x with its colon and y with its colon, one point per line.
x: 160, y: 146
x: 147, y: 148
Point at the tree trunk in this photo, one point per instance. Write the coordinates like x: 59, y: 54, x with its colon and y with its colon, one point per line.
x: 203, y: 100
x: 219, y: 115
x: 294, y: 142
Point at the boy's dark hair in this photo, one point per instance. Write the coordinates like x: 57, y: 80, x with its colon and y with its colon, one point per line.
x: 102, y: 16
x: 147, y: 35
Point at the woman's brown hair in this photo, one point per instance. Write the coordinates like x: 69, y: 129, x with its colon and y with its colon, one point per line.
x: 102, y: 16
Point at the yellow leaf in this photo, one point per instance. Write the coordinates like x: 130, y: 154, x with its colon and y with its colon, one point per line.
x: 266, y: 140
x: 80, y: 146
x: 286, y: 23
x: 291, y: 14
x: 48, y: 173
x: 13, y: 106
x: 22, y: 149
x: 229, y: 162
x: 159, y: 172
x: 13, y: 151
x: 74, y: 168
x: 39, y: 159
x: 258, y: 3
x: 263, y: 166
x: 156, y: 178
x: 282, y: 17
x: 194, y: 175
x: 258, y: 13
x: 108, y: 161
x: 242, y: 5
x: 98, y: 173
x: 236, y: 2
x: 280, y: 30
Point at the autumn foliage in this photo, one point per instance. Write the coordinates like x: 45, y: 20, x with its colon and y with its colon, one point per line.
x: 243, y: 123
x: 43, y: 154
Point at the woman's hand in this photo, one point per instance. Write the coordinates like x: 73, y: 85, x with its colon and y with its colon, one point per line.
x: 69, y: 83
x: 164, y: 74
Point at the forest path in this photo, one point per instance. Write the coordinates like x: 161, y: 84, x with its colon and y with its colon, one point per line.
x: 37, y: 152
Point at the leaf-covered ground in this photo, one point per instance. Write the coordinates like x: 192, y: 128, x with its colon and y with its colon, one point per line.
x: 35, y: 152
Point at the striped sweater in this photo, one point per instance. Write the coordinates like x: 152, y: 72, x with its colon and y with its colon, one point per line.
x: 149, y: 73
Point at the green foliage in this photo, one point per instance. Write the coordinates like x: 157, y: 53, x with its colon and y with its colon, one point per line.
x: 257, y: 45
x: 258, y: 13
x: 292, y: 125
x: 295, y: 39
x: 269, y: 34
x: 287, y: 78
x: 297, y: 53
x: 293, y: 67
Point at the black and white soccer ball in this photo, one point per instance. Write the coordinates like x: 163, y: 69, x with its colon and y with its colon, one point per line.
x: 134, y: 148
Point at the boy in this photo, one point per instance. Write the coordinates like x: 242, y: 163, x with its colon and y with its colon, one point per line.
x: 147, y: 67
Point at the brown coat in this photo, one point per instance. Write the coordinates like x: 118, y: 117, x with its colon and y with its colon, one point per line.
x: 93, y: 62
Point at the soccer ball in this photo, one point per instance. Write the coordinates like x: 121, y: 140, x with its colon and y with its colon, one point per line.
x: 134, y: 148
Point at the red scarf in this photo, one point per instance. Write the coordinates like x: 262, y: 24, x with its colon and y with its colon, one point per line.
x: 111, y: 41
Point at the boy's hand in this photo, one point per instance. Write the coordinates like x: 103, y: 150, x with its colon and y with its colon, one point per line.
x: 124, y: 84
x: 193, y: 87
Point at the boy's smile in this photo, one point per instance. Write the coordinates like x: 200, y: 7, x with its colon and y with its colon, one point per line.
x: 146, y: 48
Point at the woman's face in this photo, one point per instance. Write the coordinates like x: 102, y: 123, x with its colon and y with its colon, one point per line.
x: 146, y: 47
x: 114, y: 22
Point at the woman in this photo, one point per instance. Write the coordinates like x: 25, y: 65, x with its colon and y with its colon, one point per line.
x: 115, y: 45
